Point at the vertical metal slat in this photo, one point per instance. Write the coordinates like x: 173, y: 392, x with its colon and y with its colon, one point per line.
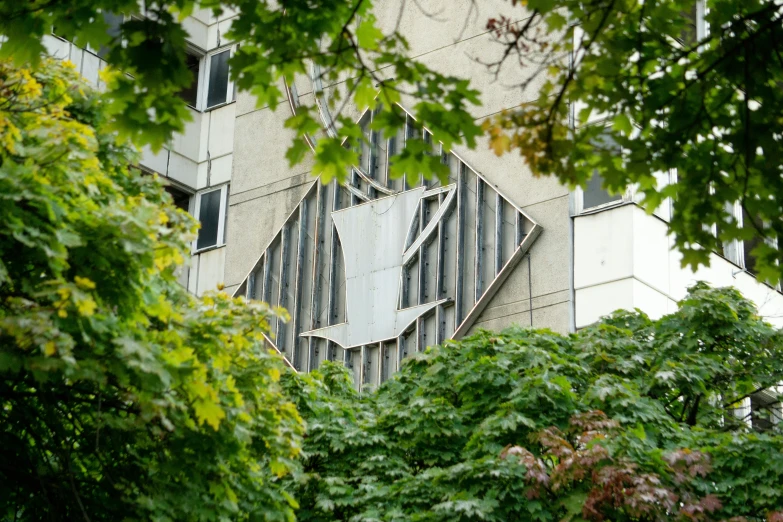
x: 498, y: 233
x: 401, y: 353
x: 440, y: 322
x: 281, y: 293
x: 519, y: 229
x: 460, y: 268
x: 479, y: 261
x: 250, y: 290
x: 315, y: 295
x: 422, y: 297
x: 265, y: 288
x: 296, y: 313
x: 331, y: 313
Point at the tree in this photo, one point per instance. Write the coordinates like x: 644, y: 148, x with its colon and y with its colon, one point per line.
x: 667, y: 96
x: 629, y: 419
x: 122, y: 396
x: 650, y: 91
x: 279, y: 41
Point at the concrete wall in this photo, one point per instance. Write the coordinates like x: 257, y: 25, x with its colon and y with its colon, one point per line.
x: 452, y: 37
x: 198, y: 158
x: 624, y: 259
x: 202, y: 156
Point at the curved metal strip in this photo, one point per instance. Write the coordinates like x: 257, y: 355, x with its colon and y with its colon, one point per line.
x: 374, y: 183
x: 356, y: 192
x: 432, y: 226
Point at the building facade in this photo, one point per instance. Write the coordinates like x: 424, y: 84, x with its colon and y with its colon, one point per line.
x: 375, y: 270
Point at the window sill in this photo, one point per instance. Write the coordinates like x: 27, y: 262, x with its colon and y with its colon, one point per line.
x: 218, y: 106
x: 604, y: 206
x: 210, y: 109
x: 207, y: 249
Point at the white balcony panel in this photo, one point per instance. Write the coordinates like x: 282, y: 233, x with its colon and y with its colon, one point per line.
x: 623, y: 258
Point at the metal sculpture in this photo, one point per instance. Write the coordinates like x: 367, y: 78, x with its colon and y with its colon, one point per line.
x: 373, y: 270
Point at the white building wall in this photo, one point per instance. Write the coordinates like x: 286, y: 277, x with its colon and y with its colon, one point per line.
x: 198, y: 158
x: 623, y: 258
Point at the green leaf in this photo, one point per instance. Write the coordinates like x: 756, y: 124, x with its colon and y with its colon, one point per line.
x: 368, y: 35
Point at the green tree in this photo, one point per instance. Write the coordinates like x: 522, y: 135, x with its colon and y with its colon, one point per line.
x: 278, y: 42
x: 629, y: 419
x: 667, y: 93
x: 121, y: 396
x: 667, y: 96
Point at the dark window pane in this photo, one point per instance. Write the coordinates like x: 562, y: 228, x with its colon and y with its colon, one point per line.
x: 218, y: 79
x: 595, y: 195
x: 114, y: 21
x: 750, y: 244
x: 180, y: 197
x: 190, y: 94
x: 209, y: 215
x: 689, y: 33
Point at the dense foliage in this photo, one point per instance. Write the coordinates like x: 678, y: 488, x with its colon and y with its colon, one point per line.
x: 278, y: 42
x: 667, y: 95
x: 629, y: 419
x: 651, y: 89
x: 121, y: 396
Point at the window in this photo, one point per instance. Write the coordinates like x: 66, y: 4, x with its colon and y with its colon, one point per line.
x: 765, y: 410
x: 114, y: 21
x: 748, y: 259
x: 181, y: 198
x: 210, y: 84
x: 595, y: 195
x: 761, y: 411
x: 190, y: 94
x: 211, y: 207
x: 695, y: 25
x: 218, y: 84
x: 740, y: 252
x: 728, y: 250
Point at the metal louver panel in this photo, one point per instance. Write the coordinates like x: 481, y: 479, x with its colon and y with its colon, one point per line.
x: 461, y: 242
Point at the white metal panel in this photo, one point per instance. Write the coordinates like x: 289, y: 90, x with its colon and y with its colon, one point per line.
x: 594, y: 302
x: 373, y: 237
x: 56, y: 47
x: 188, y: 143
x: 197, y: 31
x: 75, y: 56
x: 650, y: 250
x: 623, y: 258
x: 183, y: 169
x: 603, y: 247
x: 210, y: 270
x: 155, y: 162
x: 220, y: 169
x: 91, y: 66
x: 221, y: 130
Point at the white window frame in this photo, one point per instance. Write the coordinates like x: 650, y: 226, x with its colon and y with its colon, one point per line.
x: 734, y: 250
x: 204, y: 71
x: 221, y: 232
x: 625, y: 197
